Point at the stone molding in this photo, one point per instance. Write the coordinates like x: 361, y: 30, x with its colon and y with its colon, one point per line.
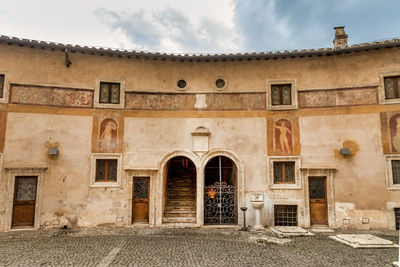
x: 14, y: 171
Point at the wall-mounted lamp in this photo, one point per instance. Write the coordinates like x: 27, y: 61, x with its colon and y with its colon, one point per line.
x: 52, y: 151
x: 345, y: 151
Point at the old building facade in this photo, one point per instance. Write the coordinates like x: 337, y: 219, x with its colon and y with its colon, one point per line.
x: 94, y: 137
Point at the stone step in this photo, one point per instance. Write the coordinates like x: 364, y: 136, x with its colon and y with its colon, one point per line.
x: 179, y: 202
x: 182, y: 195
x: 172, y: 209
x: 180, y: 213
x: 176, y: 188
x: 179, y: 219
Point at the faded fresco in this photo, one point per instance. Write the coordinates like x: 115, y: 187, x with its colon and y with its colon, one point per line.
x: 338, y: 97
x: 107, y: 133
x: 51, y: 96
x: 394, y: 126
x: 283, y: 136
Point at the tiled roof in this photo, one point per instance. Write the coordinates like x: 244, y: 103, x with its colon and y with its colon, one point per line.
x: 198, y: 57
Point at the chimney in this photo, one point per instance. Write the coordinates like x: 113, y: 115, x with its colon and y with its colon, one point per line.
x: 340, y: 40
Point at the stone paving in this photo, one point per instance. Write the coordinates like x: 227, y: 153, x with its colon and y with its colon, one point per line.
x: 182, y: 247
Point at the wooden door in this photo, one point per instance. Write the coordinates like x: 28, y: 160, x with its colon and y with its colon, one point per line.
x: 24, y: 201
x: 318, y: 200
x: 140, y: 199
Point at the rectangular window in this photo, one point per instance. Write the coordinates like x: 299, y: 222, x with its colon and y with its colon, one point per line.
x: 397, y: 217
x: 392, y: 87
x: 2, y: 78
x: 109, y: 93
x: 285, y: 215
x: 106, y: 170
x: 396, y: 171
x: 284, y: 172
x: 281, y: 94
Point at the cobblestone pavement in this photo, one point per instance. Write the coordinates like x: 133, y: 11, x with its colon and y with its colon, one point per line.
x: 181, y: 247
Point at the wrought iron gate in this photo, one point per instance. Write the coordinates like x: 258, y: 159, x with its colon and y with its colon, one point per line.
x: 220, y: 202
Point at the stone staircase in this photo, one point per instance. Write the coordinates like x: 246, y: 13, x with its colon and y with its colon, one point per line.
x: 180, y: 206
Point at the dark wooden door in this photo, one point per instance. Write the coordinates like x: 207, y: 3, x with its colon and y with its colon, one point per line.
x: 318, y: 201
x: 24, y: 201
x: 140, y: 199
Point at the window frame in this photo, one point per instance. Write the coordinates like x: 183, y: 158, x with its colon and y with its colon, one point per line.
x: 293, y: 94
x: 280, y: 89
x: 6, y: 86
x: 283, y: 166
x: 381, y: 88
x: 97, y: 90
x: 109, y: 85
x: 297, y: 184
x: 105, y: 183
x: 106, y: 173
x: 389, y: 172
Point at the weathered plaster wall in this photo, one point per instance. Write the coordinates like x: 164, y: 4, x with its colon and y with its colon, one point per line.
x: 66, y: 192
x: 35, y: 66
x: 145, y: 138
x: 149, y: 140
x: 360, y: 183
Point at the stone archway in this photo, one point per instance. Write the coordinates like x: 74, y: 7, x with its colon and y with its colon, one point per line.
x: 179, y: 191
x: 220, y: 191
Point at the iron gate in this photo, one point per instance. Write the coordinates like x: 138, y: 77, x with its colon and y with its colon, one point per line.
x: 220, y: 204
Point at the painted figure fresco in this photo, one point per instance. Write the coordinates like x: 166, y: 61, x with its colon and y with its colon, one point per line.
x: 108, y: 135
x: 394, y: 124
x: 283, y: 136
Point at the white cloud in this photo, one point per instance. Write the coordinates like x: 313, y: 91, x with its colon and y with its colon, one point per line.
x: 170, y: 30
x: 76, y: 22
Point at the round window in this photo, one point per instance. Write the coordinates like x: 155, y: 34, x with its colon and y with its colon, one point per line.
x: 220, y: 83
x: 181, y: 84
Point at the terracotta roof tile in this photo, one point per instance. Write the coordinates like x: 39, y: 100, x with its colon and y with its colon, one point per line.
x: 201, y: 56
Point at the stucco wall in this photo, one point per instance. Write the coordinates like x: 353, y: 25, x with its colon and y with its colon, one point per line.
x: 35, y: 66
x: 146, y: 137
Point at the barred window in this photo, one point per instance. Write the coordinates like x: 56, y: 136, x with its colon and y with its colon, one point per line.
x: 285, y: 215
x: 396, y: 171
x: 284, y: 172
x: 109, y: 93
x: 2, y: 78
x: 392, y: 87
x: 106, y: 170
x: 397, y: 217
x: 281, y: 94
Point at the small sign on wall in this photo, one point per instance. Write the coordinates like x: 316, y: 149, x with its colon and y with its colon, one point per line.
x: 257, y: 197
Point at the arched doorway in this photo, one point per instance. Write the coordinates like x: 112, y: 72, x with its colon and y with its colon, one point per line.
x: 180, y: 191
x: 220, y: 192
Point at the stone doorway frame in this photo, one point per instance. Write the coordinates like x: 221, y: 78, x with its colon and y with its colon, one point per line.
x: 24, y: 171
x: 146, y: 172
x: 329, y: 173
x: 241, y: 199
x: 162, y: 181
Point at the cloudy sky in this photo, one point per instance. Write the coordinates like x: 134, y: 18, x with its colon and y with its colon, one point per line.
x: 200, y: 26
